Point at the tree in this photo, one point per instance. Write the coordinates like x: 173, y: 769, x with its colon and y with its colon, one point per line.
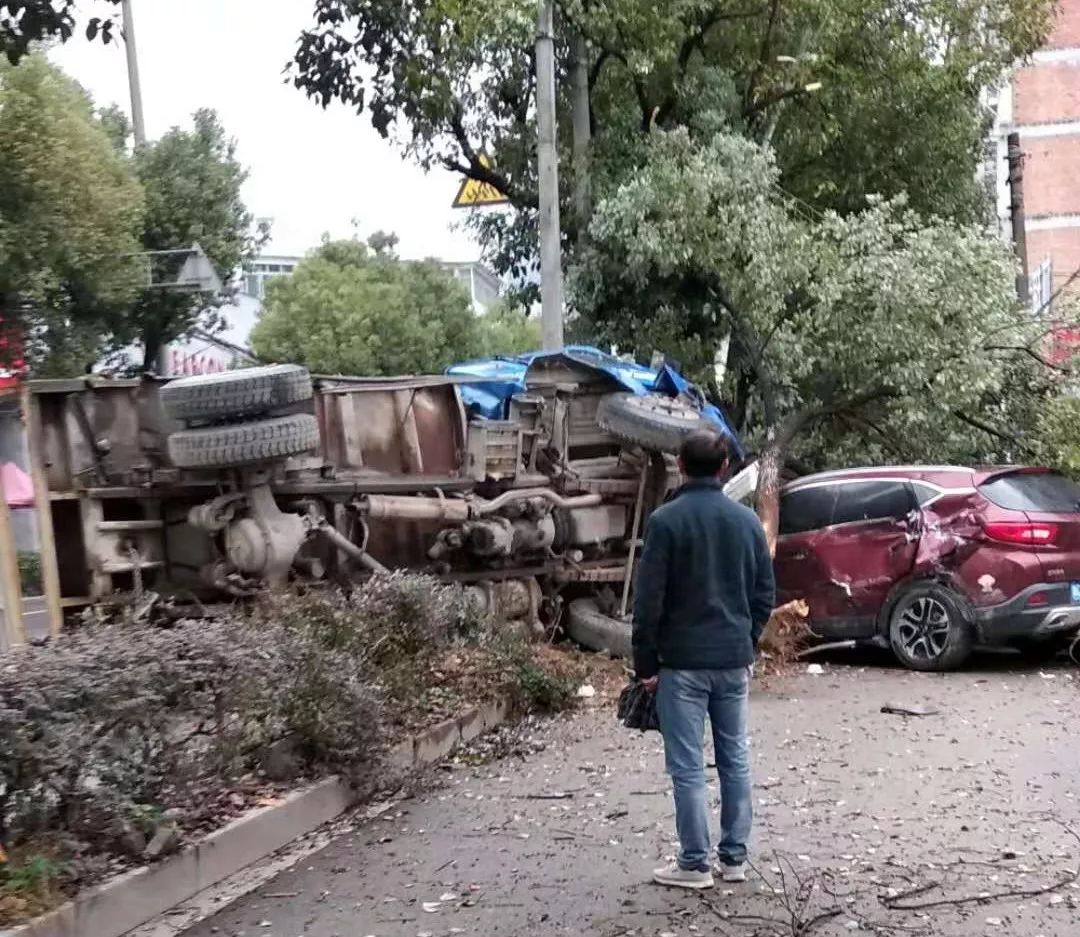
x: 24, y: 23
x: 505, y: 330
x: 356, y: 308
x: 70, y: 213
x: 838, y: 87
x: 193, y: 183
x: 873, y: 330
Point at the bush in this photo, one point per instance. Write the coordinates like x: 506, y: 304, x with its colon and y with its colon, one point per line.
x: 108, y: 725
x: 113, y: 731
x: 30, y: 572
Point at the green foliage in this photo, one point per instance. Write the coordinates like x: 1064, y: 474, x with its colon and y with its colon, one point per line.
x: 879, y: 327
x: 28, y: 887
x: 75, y: 209
x: 25, y: 23
x: 355, y: 308
x: 192, y: 181
x: 1058, y: 433
x: 542, y: 690
x: 30, y: 572
x: 506, y: 330
x: 859, y: 97
x: 70, y: 211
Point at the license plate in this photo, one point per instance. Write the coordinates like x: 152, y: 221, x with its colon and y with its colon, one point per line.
x: 1074, y: 593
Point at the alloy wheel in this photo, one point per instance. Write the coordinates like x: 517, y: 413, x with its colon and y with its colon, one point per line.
x: 923, y: 629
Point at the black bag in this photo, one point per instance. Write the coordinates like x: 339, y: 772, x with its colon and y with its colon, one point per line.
x: 637, y: 708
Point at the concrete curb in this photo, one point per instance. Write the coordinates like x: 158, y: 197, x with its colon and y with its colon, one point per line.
x: 118, y: 906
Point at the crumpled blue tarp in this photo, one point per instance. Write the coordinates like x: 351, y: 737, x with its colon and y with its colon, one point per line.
x: 498, y: 379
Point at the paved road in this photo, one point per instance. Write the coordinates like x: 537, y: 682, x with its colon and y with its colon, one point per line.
x: 35, y: 617
x: 859, y: 802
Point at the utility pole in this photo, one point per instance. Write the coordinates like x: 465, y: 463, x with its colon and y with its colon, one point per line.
x: 579, y: 80
x: 1015, y: 158
x: 137, y: 123
x: 551, y: 311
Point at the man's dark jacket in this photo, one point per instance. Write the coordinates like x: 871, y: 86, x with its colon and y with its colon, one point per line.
x: 705, y: 584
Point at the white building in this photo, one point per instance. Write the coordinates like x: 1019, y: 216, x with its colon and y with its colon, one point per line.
x: 483, y: 286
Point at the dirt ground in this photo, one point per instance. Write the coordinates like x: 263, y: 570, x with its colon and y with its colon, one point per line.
x: 857, y: 805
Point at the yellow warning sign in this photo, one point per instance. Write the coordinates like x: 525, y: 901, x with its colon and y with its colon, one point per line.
x: 476, y: 194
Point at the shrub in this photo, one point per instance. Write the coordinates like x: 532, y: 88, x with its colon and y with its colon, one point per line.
x: 111, y: 720
x: 104, y: 732
x: 30, y: 572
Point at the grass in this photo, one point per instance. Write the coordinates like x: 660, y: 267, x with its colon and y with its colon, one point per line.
x: 28, y: 887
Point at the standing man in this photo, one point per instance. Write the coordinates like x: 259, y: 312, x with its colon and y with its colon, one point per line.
x: 704, y: 592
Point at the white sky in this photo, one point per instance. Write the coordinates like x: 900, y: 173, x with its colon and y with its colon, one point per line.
x: 311, y: 171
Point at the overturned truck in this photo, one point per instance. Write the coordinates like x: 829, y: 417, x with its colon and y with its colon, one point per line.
x: 528, y: 480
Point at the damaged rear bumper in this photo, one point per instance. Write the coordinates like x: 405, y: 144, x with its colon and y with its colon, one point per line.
x: 1052, y: 614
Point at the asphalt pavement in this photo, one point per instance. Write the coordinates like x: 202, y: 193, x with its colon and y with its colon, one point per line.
x: 966, y: 814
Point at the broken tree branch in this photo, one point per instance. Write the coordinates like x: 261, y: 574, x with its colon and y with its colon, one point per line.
x: 900, y: 902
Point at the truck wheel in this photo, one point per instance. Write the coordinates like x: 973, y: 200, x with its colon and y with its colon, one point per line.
x: 928, y: 629
x: 653, y: 421
x: 591, y: 628
x: 247, y: 392
x: 244, y: 443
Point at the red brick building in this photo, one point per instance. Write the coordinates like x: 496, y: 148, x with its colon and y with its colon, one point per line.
x: 1042, y: 103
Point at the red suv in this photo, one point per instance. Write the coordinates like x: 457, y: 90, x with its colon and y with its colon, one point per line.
x: 931, y: 560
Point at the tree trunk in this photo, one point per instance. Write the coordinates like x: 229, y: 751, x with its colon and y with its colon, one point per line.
x: 770, y: 465
x: 151, y: 350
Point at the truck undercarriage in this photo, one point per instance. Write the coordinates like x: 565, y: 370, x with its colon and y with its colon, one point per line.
x: 227, y: 484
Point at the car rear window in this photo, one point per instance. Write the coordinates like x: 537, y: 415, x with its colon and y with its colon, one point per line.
x: 1021, y: 491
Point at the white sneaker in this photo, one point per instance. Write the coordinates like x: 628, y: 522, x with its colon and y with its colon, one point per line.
x: 682, y: 878
x: 733, y: 873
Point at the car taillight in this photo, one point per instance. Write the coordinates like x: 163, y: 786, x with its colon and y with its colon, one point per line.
x: 1023, y: 533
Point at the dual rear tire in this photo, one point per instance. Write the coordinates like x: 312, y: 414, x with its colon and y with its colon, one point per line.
x: 248, y: 403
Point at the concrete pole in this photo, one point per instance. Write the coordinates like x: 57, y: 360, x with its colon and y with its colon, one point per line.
x: 551, y: 301
x: 137, y: 123
x: 1015, y: 158
x: 579, y: 79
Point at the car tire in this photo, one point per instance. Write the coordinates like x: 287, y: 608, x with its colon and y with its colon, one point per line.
x: 591, y: 628
x: 270, y: 440
x: 652, y: 421
x: 236, y: 394
x: 929, y: 629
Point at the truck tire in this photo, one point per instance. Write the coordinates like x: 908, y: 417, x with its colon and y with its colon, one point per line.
x: 653, y: 421
x: 236, y: 394
x: 244, y: 443
x: 591, y: 628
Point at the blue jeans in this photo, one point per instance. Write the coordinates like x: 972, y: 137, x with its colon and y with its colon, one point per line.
x: 683, y: 699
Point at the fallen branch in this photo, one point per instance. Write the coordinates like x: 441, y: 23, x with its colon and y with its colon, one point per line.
x: 900, y: 902
x: 831, y: 646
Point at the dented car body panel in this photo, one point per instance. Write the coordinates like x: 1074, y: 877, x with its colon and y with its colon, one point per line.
x: 853, y: 543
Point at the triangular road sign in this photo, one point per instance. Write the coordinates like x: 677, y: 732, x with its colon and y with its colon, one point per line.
x: 475, y: 194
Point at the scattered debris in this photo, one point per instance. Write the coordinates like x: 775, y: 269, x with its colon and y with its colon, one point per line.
x: 894, y: 710
x: 831, y: 646
x: 815, y: 669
